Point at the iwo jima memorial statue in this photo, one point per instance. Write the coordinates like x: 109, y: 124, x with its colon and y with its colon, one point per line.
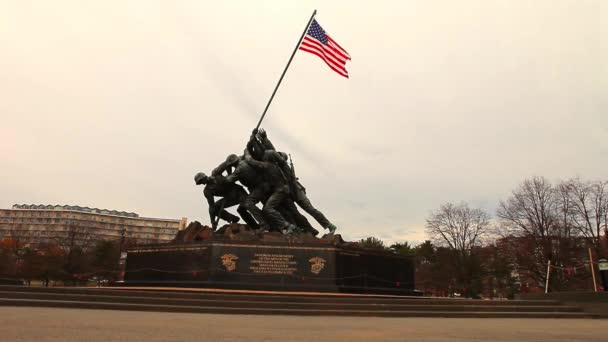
x: 274, y: 247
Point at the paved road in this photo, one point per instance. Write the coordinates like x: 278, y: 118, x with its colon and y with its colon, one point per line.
x: 61, y: 325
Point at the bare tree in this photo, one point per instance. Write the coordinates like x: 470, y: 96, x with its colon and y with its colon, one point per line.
x: 531, y: 210
x: 587, y: 209
x: 458, y: 227
x: 73, y: 242
x: 534, y: 218
x: 75, y: 236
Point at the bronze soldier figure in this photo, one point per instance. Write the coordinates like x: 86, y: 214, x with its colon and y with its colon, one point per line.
x: 239, y: 170
x: 274, y: 180
x: 297, y: 189
x: 269, y: 178
x: 231, y: 194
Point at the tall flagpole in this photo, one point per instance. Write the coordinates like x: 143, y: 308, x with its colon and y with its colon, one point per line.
x: 286, y: 67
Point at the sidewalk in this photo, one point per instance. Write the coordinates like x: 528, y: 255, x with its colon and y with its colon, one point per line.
x: 55, y: 325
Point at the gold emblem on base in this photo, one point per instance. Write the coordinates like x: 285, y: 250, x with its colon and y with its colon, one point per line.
x: 229, y: 262
x: 317, y: 265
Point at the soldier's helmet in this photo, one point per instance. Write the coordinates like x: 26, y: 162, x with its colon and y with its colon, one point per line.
x: 284, y: 155
x: 232, y: 159
x: 200, y: 178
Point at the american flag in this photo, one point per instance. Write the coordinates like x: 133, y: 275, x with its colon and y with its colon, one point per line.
x: 318, y: 42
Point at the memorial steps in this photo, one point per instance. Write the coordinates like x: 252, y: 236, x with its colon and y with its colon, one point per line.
x: 283, y: 303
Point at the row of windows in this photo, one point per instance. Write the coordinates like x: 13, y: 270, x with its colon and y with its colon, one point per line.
x: 84, y: 216
x: 82, y: 223
x: 64, y: 234
x: 107, y: 231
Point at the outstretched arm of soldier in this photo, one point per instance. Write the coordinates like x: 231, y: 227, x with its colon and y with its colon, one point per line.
x: 235, y: 175
x: 228, y: 165
x: 255, y: 163
x: 221, y: 168
x: 254, y: 146
x: 263, y: 136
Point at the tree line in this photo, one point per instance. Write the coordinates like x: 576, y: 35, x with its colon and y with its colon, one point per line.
x: 468, y: 250
x: 71, y: 257
x: 540, y: 222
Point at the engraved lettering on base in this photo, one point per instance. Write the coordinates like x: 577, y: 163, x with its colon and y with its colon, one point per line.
x: 229, y: 262
x: 270, y: 263
x: 317, y: 265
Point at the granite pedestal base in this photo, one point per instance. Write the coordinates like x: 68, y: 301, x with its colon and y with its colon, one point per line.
x: 269, y: 266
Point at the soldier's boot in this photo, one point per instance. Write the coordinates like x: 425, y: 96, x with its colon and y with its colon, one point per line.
x: 332, y: 228
x: 290, y: 229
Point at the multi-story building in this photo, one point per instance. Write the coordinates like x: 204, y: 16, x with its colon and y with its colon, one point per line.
x: 38, y: 224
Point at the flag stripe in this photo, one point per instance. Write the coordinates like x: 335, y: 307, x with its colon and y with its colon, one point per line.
x: 312, y: 42
x: 325, y: 48
x: 340, y: 54
x: 337, y: 64
x: 314, y: 52
x: 341, y: 72
x: 333, y: 42
x: 330, y: 66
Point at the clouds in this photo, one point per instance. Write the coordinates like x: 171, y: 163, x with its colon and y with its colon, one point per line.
x: 118, y: 104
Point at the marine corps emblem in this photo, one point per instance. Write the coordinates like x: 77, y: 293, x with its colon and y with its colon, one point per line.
x: 317, y: 265
x: 229, y: 262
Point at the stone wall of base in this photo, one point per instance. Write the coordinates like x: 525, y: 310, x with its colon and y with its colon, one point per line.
x: 270, y: 266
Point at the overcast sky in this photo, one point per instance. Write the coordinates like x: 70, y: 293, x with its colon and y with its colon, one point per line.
x: 118, y: 103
